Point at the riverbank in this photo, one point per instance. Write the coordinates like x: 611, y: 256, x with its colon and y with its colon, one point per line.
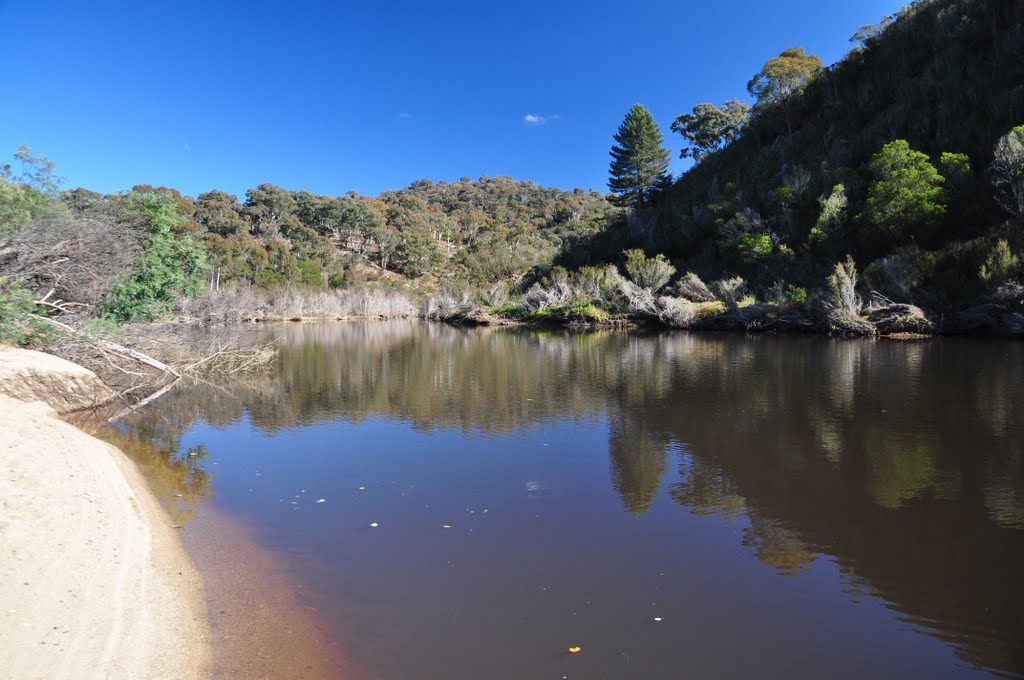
x: 94, y: 582
x: 568, y: 308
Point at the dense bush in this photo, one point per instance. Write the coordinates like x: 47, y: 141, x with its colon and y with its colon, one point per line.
x: 651, y: 273
x: 171, y: 266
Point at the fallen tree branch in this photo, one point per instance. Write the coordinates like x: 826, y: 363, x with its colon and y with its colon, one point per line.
x: 115, y: 348
x: 153, y: 397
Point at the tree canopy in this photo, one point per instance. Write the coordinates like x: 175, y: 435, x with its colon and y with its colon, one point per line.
x: 783, y: 77
x: 710, y: 128
x: 639, y: 161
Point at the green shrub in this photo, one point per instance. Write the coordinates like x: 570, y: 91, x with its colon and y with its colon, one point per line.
x: 508, y: 311
x: 796, y: 293
x: 336, y: 280
x: 310, y: 274
x: 651, y: 273
x: 748, y: 248
x: 832, y: 216
x: 907, y: 191
x: 18, y: 325
x: 171, y: 265
x: 1000, y: 264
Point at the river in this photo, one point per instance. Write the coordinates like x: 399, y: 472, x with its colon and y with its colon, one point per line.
x: 473, y: 503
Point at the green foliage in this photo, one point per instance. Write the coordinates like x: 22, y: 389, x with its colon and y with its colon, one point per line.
x: 907, y: 192
x: 282, y: 267
x: 796, y: 293
x: 171, y: 265
x: 27, y: 195
x: 639, y: 161
x: 1000, y: 265
x: 783, y: 77
x: 310, y: 274
x: 17, y: 321
x: 336, y: 280
x: 267, y: 205
x: 651, y: 273
x: 577, y: 309
x: 956, y: 169
x: 508, y: 311
x: 710, y: 128
x: 220, y: 213
x: 869, y: 32
x: 926, y: 79
x: 832, y: 216
x: 748, y: 248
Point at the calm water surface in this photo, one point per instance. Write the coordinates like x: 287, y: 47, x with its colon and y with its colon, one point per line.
x: 676, y: 505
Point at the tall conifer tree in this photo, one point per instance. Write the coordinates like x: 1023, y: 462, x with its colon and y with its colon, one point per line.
x: 639, y: 161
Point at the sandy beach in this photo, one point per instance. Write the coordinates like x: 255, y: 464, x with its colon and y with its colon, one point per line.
x: 94, y: 582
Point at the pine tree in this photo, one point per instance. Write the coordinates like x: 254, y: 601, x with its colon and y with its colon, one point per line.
x: 639, y: 161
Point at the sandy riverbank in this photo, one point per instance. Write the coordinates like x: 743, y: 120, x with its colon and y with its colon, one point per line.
x: 94, y: 582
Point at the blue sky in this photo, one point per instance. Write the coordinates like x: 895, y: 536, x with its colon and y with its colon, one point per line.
x: 369, y: 96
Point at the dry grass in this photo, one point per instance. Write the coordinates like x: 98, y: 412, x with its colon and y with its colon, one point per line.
x: 246, y: 303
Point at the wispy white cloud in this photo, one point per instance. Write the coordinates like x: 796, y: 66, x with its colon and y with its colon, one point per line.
x: 535, y: 119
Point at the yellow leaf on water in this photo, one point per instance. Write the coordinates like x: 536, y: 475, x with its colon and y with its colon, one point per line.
x: 446, y: 526
x: 574, y: 650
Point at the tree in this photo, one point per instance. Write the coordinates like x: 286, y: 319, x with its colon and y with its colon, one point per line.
x: 220, y: 213
x: 639, y: 161
x: 783, y: 78
x: 30, y: 194
x: 1008, y: 171
x: 267, y: 204
x: 321, y: 213
x: 907, y: 191
x: 710, y: 128
x: 869, y: 32
x: 363, y: 218
x: 186, y: 205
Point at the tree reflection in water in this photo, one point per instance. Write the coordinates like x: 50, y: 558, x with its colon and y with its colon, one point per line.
x: 902, y: 462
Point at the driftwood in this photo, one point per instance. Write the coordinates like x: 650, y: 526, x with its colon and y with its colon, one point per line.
x: 895, y: 317
x: 127, y: 352
x: 115, y: 348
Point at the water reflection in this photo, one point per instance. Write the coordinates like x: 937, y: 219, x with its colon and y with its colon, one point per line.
x: 178, y: 476
x: 902, y: 462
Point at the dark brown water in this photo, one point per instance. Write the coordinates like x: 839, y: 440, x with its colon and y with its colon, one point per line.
x: 676, y: 505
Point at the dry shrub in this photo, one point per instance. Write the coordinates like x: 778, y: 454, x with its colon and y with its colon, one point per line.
x: 234, y: 303
x: 539, y: 297
x: 730, y: 291
x: 77, y: 257
x: 676, y: 313
x: 841, y: 304
x: 691, y: 287
x: 639, y: 300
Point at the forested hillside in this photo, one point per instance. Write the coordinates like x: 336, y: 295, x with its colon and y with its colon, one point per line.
x: 806, y: 182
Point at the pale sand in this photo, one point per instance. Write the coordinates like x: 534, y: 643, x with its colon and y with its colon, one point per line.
x: 94, y: 582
